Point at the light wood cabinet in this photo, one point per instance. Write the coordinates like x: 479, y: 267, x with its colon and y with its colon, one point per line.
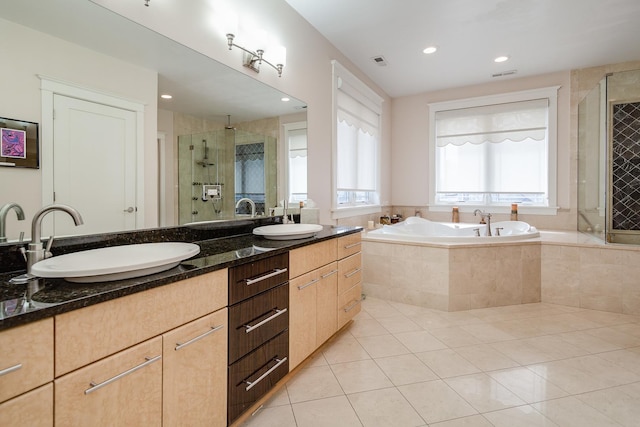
x: 349, y: 278
x: 313, y: 319
x: 26, y: 358
x: 307, y: 258
x: 33, y: 409
x: 194, y: 373
x: 124, y: 389
x: 91, y: 333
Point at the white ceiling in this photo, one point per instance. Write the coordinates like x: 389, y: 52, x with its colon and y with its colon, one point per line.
x: 540, y: 36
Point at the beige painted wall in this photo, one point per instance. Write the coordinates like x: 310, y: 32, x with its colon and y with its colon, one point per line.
x: 29, y: 53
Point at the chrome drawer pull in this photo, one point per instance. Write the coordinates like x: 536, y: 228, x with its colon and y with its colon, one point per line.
x: 308, y: 284
x: 199, y: 337
x: 352, y: 245
x: 268, y: 319
x: 95, y: 386
x: 10, y: 369
x: 352, y: 306
x: 324, y: 276
x: 266, y: 276
x: 351, y: 273
x: 266, y: 374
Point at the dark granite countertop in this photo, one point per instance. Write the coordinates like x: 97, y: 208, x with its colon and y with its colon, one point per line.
x: 42, y: 298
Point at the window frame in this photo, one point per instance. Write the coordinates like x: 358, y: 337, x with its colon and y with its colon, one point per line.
x: 550, y: 93
x: 344, y: 80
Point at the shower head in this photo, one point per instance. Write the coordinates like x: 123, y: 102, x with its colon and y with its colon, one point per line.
x: 205, y: 158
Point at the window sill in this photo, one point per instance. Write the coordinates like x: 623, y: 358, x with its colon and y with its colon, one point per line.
x: 522, y: 209
x: 350, y: 211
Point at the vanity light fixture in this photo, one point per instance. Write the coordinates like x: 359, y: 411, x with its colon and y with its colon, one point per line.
x: 253, y: 60
x: 502, y: 58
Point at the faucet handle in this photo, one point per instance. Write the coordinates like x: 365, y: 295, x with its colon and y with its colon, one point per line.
x: 498, y: 230
x: 47, y: 250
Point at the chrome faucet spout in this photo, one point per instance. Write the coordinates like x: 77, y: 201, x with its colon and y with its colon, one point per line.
x: 35, y: 252
x: 251, y: 203
x: 486, y: 218
x: 4, y: 211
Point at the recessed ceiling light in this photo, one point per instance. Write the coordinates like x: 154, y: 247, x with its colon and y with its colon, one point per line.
x: 501, y: 58
x: 166, y: 96
x: 430, y: 49
x: 285, y: 99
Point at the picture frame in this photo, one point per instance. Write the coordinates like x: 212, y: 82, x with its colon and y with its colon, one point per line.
x: 19, y: 143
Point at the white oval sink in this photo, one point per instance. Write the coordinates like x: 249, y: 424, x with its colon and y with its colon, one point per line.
x: 287, y: 231
x: 115, y: 262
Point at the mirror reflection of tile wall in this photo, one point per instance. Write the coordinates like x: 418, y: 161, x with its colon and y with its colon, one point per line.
x: 208, y: 158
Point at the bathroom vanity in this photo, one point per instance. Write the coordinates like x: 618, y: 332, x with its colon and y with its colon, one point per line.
x: 202, y: 343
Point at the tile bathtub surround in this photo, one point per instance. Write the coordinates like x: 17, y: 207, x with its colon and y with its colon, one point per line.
x: 567, y: 268
x: 533, y: 364
x: 454, y: 278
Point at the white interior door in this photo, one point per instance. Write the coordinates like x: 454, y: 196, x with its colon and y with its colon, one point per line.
x: 94, y: 165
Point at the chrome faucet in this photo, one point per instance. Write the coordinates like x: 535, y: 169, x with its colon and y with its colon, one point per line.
x: 4, y: 211
x: 285, y: 218
x: 35, y: 251
x: 485, y: 217
x: 251, y: 202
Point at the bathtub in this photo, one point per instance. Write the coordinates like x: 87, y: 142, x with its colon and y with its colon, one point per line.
x: 445, y: 266
x: 415, y: 229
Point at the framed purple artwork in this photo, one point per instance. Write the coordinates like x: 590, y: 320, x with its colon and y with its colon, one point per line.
x: 19, y: 143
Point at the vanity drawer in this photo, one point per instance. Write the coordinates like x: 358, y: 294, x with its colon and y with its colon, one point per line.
x: 349, y: 272
x: 252, y: 278
x: 349, y: 245
x: 26, y: 361
x: 349, y: 304
x: 305, y: 259
x: 255, y: 374
x: 91, y: 333
x: 257, y: 320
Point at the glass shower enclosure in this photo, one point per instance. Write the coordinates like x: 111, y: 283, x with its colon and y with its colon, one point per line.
x: 218, y: 168
x: 609, y: 159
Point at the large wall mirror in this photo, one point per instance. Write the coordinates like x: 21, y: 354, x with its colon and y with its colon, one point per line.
x: 220, y: 138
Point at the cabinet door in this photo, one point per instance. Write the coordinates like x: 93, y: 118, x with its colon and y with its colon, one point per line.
x: 122, y: 390
x: 33, y: 409
x: 26, y: 361
x: 194, y: 368
x: 302, y: 318
x: 326, y: 301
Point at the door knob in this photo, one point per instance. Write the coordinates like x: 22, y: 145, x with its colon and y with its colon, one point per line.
x: 130, y: 209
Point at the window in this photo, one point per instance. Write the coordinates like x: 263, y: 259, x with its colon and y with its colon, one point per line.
x: 296, y: 167
x: 356, y: 145
x: 494, y: 151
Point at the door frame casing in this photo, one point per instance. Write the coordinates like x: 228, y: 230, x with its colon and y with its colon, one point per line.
x: 50, y: 87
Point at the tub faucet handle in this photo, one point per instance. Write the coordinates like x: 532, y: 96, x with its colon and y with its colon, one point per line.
x: 477, y: 231
x: 498, y: 230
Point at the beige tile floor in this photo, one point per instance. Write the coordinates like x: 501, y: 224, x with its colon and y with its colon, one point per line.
x: 526, y: 365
